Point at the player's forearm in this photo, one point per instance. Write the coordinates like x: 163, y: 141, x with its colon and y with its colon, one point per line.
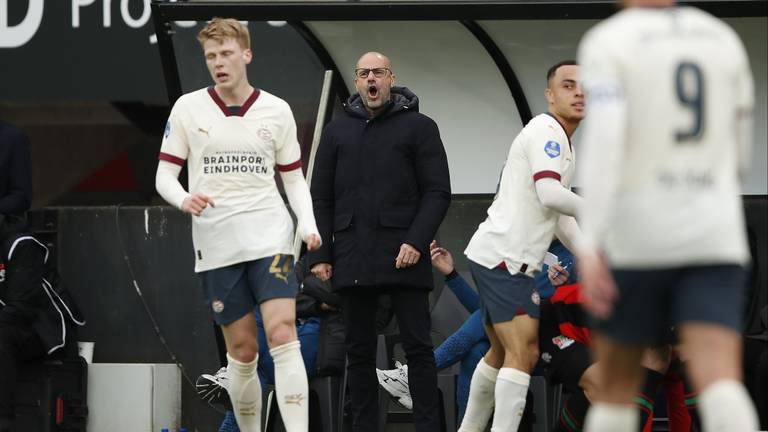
x: 554, y: 196
x: 167, y: 183
x: 568, y: 232
x: 603, y: 141
x: 301, y: 202
x: 594, y: 216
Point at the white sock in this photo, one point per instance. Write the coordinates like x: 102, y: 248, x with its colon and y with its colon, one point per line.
x: 607, y: 417
x: 245, y: 393
x: 725, y: 405
x: 480, y: 402
x: 511, y: 389
x: 291, y: 387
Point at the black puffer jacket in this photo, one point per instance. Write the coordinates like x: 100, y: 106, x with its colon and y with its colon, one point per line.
x: 31, y: 294
x: 378, y: 183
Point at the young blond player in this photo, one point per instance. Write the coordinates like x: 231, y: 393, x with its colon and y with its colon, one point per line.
x: 233, y: 137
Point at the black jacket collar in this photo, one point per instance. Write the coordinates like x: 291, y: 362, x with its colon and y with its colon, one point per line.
x: 401, y: 99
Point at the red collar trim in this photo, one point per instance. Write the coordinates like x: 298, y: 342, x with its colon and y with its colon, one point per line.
x: 225, y: 109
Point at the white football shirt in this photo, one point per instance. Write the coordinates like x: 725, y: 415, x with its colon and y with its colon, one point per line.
x: 668, y: 128
x: 232, y: 158
x: 518, y: 228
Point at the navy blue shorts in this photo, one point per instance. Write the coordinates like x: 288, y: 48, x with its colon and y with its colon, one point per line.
x: 504, y: 296
x: 653, y: 301
x: 233, y: 291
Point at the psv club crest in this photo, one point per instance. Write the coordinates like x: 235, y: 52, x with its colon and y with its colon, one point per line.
x: 264, y: 134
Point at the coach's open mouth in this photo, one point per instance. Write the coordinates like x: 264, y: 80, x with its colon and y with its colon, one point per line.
x: 373, y: 91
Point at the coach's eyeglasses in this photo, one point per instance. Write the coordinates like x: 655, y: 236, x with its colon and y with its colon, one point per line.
x: 377, y: 72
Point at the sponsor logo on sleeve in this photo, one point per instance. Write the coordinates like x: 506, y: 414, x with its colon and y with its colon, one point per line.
x: 552, y: 149
x: 167, y: 128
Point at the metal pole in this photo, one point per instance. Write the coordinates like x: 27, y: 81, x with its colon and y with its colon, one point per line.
x: 322, y: 111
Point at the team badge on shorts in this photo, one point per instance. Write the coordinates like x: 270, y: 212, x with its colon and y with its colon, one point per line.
x: 535, y: 298
x: 552, y: 149
x: 217, y: 306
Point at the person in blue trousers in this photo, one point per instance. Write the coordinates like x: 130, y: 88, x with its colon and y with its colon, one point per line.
x: 469, y: 343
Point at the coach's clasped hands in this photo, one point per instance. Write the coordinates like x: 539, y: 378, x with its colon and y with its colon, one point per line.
x: 407, y: 257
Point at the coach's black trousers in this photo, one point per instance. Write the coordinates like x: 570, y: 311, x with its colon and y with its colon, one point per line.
x: 411, y: 308
x: 16, y: 344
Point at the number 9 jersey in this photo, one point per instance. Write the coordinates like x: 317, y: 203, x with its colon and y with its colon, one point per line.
x: 666, y: 138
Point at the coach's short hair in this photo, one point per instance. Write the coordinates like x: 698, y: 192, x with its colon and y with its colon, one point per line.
x: 551, y: 72
x: 224, y: 28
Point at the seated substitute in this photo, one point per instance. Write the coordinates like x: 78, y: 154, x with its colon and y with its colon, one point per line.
x: 37, y: 316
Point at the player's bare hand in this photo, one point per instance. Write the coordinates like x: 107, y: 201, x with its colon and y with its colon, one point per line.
x: 322, y: 271
x: 597, y: 284
x: 196, y: 203
x: 557, y: 274
x: 407, y: 257
x: 442, y: 260
x: 313, y: 242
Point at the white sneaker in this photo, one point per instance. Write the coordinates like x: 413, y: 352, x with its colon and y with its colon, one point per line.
x: 213, y: 388
x: 395, y: 382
